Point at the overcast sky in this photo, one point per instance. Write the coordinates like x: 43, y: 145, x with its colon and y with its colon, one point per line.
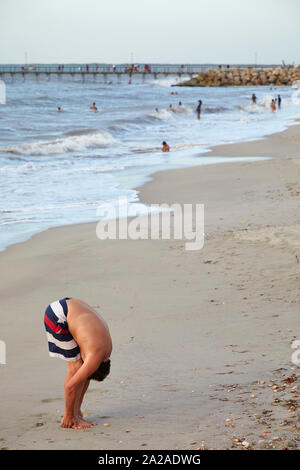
x: 165, y: 31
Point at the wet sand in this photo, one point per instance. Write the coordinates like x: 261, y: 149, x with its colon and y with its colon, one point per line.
x: 202, y: 339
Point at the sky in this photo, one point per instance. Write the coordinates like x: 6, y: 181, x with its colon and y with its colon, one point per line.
x: 150, y: 31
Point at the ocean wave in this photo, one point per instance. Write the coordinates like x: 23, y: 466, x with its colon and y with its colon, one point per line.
x: 295, y: 99
x: 16, y: 221
x: 61, y: 146
x: 181, y: 109
x: 191, y: 145
x: 15, y: 101
x: 161, y: 114
x: 178, y: 147
x: 216, y: 109
x: 255, y: 108
x: 171, y: 80
x: 33, y: 209
x: 43, y: 98
x: 80, y: 132
x: 27, y: 167
x: 265, y: 103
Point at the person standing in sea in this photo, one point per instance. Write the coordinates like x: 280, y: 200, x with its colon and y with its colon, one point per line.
x: 165, y: 147
x: 198, y: 109
x: 279, y: 101
x: 273, y: 105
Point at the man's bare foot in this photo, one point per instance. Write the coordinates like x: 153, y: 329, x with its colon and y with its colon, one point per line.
x: 75, y: 422
x: 69, y: 422
x: 84, y: 424
x: 80, y: 417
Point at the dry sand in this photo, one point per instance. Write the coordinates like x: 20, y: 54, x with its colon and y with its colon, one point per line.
x: 202, y: 339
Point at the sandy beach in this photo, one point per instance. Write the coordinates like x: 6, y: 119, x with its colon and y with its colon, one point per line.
x: 202, y: 339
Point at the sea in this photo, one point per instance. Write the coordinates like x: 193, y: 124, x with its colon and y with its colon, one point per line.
x: 59, y: 168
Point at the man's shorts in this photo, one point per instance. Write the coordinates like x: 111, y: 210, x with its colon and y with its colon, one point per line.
x: 60, y: 341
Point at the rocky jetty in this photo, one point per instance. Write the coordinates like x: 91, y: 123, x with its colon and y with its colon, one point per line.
x: 280, y: 76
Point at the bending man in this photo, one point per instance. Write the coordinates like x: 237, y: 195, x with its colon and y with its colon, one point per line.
x: 77, y: 334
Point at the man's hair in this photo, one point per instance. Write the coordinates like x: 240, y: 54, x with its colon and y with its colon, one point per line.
x: 102, y: 372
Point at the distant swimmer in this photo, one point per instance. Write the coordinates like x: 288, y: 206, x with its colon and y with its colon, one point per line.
x: 59, y: 110
x: 94, y: 107
x: 279, y: 101
x: 198, y: 109
x: 156, y: 109
x: 165, y: 147
x: 179, y: 104
x: 273, y: 105
x: 254, y: 98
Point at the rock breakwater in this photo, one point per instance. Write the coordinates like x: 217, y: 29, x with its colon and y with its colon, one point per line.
x: 245, y: 77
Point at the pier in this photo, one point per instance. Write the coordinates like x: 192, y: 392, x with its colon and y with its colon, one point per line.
x: 94, y: 70
x: 107, y: 71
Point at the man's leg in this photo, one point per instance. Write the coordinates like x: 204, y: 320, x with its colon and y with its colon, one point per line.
x: 72, y: 417
x: 79, y: 403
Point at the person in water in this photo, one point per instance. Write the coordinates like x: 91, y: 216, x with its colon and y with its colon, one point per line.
x: 273, y: 105
x: 94, y: 107
x: 254, y: 98
x: 279, y: 101
x: 165, y: 147
x: 59, y: 109
x: 77, y: 334
x: 198, y: 109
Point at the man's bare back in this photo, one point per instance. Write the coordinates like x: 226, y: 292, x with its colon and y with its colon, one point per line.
x: 89, y: 329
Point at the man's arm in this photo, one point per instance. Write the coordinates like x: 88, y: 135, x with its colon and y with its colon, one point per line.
x: 87, y: 368
x: 76, y: 380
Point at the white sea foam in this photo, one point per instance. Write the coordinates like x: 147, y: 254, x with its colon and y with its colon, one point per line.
x: 25, y: 168
x: 162, y: 114
x: 171, y: 80
x: 295, y: 100
x: 61, y: 146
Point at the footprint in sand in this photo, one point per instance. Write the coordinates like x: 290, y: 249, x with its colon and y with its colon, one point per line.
x: 50, y: 400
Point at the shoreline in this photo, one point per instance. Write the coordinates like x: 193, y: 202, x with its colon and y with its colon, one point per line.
x: 243, y: 149
x: 205, y: 335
